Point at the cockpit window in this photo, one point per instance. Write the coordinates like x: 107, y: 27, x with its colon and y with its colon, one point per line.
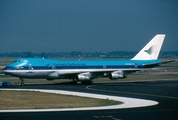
x: 17, y: 61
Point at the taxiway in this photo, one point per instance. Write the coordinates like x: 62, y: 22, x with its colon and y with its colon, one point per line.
x: 164, y: 92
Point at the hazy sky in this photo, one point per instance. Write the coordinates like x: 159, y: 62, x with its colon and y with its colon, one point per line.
x: 86, y: 25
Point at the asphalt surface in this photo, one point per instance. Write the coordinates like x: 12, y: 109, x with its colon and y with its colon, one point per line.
x: 164, y: 92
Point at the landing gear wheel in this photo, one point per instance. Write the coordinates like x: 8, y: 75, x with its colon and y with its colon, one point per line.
x: 87, y: 82
x: 73, y: 82
x: 91, y: 82
x: 83, y: 82
x: 22, y: 84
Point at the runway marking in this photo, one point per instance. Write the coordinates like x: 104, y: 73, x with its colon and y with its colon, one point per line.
x: 127, y: 102
x: 132, y: 93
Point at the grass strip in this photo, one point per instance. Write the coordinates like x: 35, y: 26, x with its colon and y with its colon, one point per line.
x: 40, y: 100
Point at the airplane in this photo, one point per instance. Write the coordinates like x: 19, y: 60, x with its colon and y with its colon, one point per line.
x: 85, y: 71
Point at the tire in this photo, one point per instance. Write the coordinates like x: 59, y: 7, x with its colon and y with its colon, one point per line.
x: 83, y: 82
x: 87, y: 82
x: 91, y: 82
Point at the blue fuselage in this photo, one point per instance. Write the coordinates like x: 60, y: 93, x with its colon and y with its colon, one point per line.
x: 47, y: 64
x: 49, y: 68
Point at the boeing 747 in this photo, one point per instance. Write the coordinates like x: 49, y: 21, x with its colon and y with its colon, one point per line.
x: 86, y: 70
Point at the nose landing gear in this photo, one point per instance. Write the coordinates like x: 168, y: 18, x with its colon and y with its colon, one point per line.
x: 22, y: 82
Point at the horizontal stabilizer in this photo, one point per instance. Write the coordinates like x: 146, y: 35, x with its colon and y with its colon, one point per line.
x: 167, y: 61
x: 151, y: 64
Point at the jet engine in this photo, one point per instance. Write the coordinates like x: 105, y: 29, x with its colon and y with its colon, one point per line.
x: 116, y: 75
x: 84, y: 76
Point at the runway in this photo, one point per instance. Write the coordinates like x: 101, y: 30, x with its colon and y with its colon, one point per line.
x: 164, y: 92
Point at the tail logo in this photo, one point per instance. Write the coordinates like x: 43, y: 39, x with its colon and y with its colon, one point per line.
x: 150, y: 50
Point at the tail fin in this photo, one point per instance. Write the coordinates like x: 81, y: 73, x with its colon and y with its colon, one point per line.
x: 152, y: 49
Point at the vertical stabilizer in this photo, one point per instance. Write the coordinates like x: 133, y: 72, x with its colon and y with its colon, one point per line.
x: 152, y: 49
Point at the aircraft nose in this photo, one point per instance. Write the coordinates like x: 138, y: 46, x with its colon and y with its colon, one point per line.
x: 6, y: 70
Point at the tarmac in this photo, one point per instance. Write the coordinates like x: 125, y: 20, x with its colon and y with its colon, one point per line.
x: 163, y: 92
x: 127, y: 102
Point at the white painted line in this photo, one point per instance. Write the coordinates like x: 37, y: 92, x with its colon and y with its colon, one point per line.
x: 127, y: 102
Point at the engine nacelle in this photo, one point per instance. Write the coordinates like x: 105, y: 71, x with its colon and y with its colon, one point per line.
x: 84, y: 76
x: 116, y: 75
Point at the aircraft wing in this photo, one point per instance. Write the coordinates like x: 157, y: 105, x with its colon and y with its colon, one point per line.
x: 97, y: 73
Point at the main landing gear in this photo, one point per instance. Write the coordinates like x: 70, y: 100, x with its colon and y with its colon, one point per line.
x: 22, y: 82
x: 87, y: 82
x: 84, y: 82
x: 73, y: 81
